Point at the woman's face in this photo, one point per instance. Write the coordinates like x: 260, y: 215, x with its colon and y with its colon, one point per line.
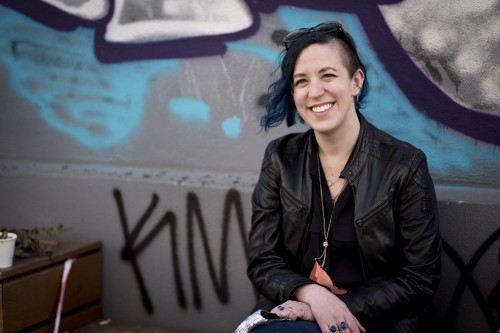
x: 323, y: 90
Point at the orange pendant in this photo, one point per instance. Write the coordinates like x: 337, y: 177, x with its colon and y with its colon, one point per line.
x: 320, y: 276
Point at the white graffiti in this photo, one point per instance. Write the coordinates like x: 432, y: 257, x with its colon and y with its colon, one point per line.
x: 456, y: 43
x: 162, y: 20
x: 153, y: 20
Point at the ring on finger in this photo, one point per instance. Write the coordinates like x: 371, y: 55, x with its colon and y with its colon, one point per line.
x: 281, y: 308
x: 332, y: 328
x: 343, y: 325
x: 290, y: 308
x: 303, y: 312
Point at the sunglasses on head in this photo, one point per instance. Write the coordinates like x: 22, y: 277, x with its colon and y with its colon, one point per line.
x: 325, y: 27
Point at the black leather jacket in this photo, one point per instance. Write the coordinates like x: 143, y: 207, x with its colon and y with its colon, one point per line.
x: 395, y: 219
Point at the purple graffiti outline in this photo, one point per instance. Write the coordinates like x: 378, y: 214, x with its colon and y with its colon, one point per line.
x: 420, y: 90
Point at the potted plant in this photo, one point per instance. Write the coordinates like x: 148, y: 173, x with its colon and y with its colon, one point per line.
x: 7, y: 246
x: 29, y: 243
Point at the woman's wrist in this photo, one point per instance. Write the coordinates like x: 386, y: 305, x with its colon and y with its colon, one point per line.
x: 307, y: 292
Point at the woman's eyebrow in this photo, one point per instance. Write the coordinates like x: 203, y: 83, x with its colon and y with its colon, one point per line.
x: 325, y: 69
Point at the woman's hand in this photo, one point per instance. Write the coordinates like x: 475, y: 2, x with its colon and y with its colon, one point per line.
x: 328, y: 310
x: 294, y: 310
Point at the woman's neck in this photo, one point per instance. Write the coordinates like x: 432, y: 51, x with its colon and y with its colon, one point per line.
x: 336, y: 147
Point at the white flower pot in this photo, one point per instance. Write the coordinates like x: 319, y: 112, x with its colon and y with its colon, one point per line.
x: 7, y: 247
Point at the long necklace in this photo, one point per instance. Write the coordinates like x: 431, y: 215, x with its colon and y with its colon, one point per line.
x: 326, y: 231
x: 330, y: 182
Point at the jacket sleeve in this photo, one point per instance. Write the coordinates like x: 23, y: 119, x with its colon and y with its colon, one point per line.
x: 418, y: 268
x: 269, y: 268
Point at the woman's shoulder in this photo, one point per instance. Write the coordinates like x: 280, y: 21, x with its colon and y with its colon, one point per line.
x: 286, y: 148
x: 290, y: 142
x: 386, y: 146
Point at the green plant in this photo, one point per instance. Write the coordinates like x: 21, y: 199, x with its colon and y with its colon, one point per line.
x: 28, y: 242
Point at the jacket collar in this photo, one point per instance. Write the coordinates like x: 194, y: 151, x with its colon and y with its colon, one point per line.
x: 358, y: 157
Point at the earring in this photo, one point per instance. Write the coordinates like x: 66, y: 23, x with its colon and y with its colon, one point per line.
x: 356, y: 99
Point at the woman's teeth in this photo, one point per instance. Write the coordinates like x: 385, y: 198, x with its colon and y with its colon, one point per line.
x: 322, y: 107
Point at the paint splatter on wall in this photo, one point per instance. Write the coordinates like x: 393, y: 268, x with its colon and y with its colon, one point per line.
x: 88, y: 67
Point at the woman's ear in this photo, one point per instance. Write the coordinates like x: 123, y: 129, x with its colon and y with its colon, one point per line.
x: 358, y: 79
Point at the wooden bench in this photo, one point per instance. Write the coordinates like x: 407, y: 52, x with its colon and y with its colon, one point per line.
x: 30, y: 289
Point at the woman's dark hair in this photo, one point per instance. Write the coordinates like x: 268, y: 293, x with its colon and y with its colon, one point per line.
x: 280, y: 104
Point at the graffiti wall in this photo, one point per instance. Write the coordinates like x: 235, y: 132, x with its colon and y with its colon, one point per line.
x: 136, y: 123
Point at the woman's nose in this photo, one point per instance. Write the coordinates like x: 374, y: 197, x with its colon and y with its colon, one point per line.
x: 316, y: 90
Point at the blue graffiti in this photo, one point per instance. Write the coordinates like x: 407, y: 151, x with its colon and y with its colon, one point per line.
x: 152, y: 43
x: 189, y: 110
x: 232, y: 127
x: 97, y: 105
x: 101, y: 106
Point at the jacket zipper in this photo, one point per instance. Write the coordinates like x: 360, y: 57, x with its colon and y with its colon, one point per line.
x: 300, y: 207
x: 304, y: 239
x: 362, y: 263
x: 360, y: 222
x: 301, y: 210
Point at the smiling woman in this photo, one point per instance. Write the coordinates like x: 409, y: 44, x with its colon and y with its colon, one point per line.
x: 344, y: 230
x: 324, y: 90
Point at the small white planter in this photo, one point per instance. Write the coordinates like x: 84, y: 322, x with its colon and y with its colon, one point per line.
x: 7, y: 247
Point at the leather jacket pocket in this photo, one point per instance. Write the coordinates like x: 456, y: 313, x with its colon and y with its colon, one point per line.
x: 377, y: 232
x: 378, y: 224
x: 291, y: 205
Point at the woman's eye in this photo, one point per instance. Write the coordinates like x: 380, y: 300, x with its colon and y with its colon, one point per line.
x: 329, y: 75
x: 300, y: 82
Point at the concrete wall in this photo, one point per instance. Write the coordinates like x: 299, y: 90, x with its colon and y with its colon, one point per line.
x: 134, y: 122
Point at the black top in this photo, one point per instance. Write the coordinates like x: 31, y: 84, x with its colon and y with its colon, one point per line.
x: 342, y: 257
